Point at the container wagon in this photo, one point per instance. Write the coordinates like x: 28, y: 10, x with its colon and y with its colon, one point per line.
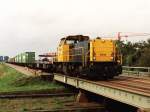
x: 24, y: 59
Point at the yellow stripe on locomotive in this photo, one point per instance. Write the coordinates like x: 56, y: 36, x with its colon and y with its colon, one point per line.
x: 63, y: 51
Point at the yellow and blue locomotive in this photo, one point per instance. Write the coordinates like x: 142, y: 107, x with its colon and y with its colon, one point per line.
x: 77, y: 55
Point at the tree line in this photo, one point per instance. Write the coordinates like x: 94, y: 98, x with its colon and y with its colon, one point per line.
x: 135, y: 54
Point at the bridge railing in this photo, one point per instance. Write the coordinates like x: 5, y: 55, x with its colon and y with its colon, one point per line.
x: 138, y: 71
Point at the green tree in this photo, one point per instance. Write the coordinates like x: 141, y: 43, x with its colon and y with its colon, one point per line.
x: 144, y: 60
x: 135, y: 54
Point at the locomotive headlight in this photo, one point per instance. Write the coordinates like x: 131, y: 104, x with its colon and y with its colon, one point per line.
x: 94, y: 58
x: 118, y: 61
x: 111, y: 58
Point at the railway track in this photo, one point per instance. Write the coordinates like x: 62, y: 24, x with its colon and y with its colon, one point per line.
x: 129, y: 78
x: 128, y: 87
x: 88, y: 107
x: 130, y: 84
x: 143, y: 84
x: 134, y: 85
x: 142, y: 78
x: 12, y: 96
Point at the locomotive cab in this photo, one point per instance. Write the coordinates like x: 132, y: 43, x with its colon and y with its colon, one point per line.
x: 68, y: 54
x: 66, y: 47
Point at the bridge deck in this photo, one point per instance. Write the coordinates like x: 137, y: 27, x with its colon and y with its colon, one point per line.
x: 132, y: 91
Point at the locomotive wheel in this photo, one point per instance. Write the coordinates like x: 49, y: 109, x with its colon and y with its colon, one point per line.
x: 65, y: 70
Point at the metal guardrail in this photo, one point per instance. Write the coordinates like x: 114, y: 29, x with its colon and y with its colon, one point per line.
x: 138, y: 71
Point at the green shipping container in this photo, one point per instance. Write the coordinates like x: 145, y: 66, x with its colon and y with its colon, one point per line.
x: 16, y: 59
x: 19, y: 58
x: 28, y: 57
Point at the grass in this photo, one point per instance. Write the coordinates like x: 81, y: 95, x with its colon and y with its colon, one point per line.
x: 12, y: 80
x: 27, y: 104
x: 60, y: 102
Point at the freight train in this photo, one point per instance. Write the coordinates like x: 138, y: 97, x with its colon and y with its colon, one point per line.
x: 80, y: 56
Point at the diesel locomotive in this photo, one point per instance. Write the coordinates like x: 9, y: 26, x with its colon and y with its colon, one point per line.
x: 77, y: 55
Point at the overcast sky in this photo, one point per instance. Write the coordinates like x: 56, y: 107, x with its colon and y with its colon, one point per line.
x: 37, y: 25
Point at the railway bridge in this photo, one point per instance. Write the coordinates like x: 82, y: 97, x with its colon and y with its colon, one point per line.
x: 128, y: 90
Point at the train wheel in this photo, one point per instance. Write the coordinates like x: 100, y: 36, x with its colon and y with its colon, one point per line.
x: 65, y: 69
x: 111, y: 77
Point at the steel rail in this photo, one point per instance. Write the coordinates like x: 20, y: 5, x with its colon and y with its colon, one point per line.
x: 133, y: 81
x: 129, y: 78
x: 12, y: 96
x: 134, y: 84
x: 68, y: 109
x: 129, y: 87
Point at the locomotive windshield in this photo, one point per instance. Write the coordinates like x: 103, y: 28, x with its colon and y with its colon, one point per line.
x: 70, y: 42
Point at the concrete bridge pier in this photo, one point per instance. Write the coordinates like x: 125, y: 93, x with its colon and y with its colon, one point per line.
x: 82, y: 97
x: 143, y: 110
x: 88, y: 97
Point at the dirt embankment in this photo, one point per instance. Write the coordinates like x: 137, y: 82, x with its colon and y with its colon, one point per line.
x: 1, y: 73
x: 1, y: 70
